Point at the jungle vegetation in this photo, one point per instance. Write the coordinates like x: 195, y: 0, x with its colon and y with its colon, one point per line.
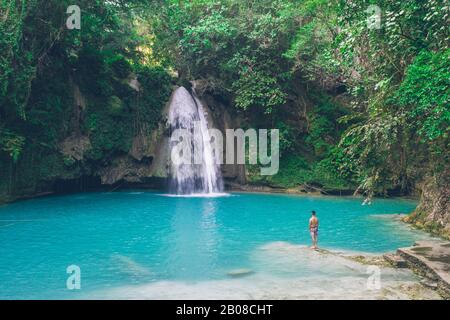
x: 361, y: 104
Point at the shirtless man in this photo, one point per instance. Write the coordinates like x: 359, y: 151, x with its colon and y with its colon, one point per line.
x: 314, y: 229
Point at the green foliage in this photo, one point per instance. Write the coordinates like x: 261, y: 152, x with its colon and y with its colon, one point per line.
x: 240, y: 43
x: 112, y: 122
x: 109, y: 133
x: 157, y: 88
x: 94, y: 73
x: 353, y: 104
x: 424, y: 94
x: 397, y: 77
x: 11, y: 143
x: 120, y: 66
x: 258, y: 89
x: 324, y: 131
x: 17, y: 67
x: 296, y: 171
x: 287, y: 138
x: 211, y: 34
x: 42, y: 65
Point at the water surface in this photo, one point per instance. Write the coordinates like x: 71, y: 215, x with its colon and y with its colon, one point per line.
x: 139, y: 239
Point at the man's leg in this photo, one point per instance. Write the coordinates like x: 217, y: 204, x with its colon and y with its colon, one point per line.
x: 315, y: 240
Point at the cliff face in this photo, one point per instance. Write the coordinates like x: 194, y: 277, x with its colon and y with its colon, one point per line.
x: 145, y: 163
x: 433, y: 213
x: 75, y: 166
x: 148, y: 158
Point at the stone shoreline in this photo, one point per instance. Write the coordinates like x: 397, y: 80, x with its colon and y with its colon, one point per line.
x: 431, y: 260
x: 434, y: 277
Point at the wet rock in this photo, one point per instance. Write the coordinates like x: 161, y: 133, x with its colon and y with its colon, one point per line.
x: 430, y: 259
x: 238, y: 273
x: 433, y: 212
x: 75, y: 146
x: 134, y: 84
x: 395, y: 260
x: 368, y: 260
x: 429, y: 284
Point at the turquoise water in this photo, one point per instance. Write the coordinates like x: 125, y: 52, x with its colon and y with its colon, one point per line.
x: 133, y: 238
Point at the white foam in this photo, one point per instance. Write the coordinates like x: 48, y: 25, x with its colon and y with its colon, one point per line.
x: 187, y: 112
x: 198, y: 195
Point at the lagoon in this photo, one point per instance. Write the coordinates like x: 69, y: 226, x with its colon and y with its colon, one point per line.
x: 141, y: 244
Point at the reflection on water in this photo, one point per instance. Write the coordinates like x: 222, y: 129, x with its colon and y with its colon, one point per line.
x: 208, y: 226
x: 194, y: 239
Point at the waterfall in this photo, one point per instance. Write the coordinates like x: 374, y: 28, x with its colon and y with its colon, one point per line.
x: 202, y: 177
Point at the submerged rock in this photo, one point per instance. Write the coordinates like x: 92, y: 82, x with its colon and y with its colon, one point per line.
x: 129, y: 266
x: 237, y: 273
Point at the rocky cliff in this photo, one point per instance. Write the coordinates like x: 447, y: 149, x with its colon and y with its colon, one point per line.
x: 433, y: 212
x: 148, y: 157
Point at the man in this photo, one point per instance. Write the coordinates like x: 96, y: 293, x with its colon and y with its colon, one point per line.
x: 314, y: 229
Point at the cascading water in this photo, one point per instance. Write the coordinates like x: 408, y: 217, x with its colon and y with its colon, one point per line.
x: 199, y: 177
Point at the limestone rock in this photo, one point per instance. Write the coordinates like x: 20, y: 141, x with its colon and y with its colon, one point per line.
x: 433, y: 212
x: 75, y: 146
x: 430, y: 259
x: 395, y: 260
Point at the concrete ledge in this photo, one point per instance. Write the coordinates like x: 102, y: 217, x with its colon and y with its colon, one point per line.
x: 430, y: 259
